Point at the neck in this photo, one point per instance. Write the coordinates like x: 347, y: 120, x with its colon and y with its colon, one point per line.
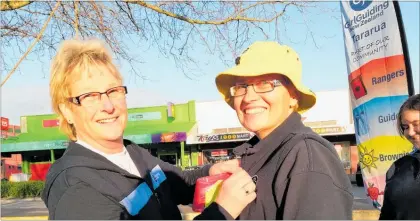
x: 265, y: 132
x: 108, y: 147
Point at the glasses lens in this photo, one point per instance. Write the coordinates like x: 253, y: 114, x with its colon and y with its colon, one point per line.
x: 90, y: 99
x: 263, y: 86
x: 238, y: 90
x: 116, y: 93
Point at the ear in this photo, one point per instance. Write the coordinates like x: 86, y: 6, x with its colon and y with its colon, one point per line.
x: 67, y: 113
x: 293, y: 101
x: 294, y: 98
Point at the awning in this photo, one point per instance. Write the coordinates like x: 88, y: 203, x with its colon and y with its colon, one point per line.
x: 157, y: 133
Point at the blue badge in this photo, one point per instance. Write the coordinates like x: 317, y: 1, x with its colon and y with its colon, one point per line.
x: 158, y: 176
x: 137, y: 199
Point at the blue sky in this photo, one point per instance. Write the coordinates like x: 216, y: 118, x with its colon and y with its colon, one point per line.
x: 324, y: 67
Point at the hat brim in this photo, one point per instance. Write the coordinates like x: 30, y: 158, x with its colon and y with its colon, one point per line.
x: 226, y: 79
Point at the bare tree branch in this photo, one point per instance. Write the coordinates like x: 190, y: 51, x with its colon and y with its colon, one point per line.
x: 33, y: 44
x: 131, y: 28
x: 202, y: 22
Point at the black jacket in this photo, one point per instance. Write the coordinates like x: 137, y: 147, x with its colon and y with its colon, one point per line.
x: 300, y: 175
x: 85, y: 185
x: 402, y: 190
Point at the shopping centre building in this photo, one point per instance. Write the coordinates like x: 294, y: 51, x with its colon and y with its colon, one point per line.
x: 186, y: 135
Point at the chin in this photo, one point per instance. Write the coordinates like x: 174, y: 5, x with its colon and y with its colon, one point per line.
x: 253, y: 128
x: 112, y: 136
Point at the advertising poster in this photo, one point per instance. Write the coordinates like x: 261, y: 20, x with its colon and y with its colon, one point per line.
x: 379, y: 81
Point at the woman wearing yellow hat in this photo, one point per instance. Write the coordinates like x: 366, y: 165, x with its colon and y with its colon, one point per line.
x: 299, y: 174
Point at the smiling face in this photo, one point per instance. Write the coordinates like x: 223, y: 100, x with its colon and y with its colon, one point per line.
x: 104, y: 121
x: 410, y: 124
x: 367, y: 160
x: 261, y: 113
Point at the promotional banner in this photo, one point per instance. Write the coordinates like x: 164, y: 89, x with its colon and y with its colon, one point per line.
x: 380, y: 81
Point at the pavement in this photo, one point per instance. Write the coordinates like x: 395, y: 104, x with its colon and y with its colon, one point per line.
x: 34, y: 208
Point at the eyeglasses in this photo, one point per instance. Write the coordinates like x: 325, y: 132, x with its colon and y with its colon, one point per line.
x: 259, y: 87
x: 94, y: 98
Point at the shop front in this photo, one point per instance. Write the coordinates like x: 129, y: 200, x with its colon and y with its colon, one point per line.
x: 161, y: 129
x: 216, y: 147
x: 331, y: 117
x: 217, y: 132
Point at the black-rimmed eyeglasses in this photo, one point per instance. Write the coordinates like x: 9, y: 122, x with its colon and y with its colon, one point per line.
x: 259, y: 87
x: 94, y: 98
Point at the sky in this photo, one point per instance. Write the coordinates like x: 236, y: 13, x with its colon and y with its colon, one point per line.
x: 324, y: 67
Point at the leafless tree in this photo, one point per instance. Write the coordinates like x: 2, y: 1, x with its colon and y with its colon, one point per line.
x: 174, y: 27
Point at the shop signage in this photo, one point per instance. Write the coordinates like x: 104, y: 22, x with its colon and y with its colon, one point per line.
x: 51, y: 123
x: 145, y: 116
x: 169, y: 137
x: 157, y: 138
x: 39, y: 145
x: 329, y: 130
x: 219, y: 153
x: 212, y: 138
x: 140, y: 138
x: 4, y: 124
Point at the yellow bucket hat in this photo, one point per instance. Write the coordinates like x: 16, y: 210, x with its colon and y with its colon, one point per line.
x: 267, y: 57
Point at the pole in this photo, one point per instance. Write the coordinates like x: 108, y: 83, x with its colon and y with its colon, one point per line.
x: 410, y: 82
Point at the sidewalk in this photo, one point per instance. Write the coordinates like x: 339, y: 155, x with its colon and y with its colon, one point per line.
x: 357, y: 215
x: 188, y: 214
x: 10, y: 201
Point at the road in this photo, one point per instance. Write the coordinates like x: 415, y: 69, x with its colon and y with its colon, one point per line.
x: 35, y: 207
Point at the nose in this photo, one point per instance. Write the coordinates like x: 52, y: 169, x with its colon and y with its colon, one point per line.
x: 410, y: 131
x: 250, y: 95
x: 106, y: 104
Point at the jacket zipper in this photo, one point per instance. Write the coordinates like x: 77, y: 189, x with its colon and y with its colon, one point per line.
x: 157, y: 198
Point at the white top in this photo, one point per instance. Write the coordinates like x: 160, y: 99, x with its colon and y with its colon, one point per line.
x: 122, y: 159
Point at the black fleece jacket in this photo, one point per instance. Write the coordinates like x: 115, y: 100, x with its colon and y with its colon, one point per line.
x: 85, y: 185
x: 300, y: 175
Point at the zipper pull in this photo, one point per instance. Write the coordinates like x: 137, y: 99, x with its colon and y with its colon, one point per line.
x: 157, y: 197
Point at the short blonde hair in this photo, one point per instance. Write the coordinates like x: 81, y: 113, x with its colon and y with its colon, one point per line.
x: 73, y: 58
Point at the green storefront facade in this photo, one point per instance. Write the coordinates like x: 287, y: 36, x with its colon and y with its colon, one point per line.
x: 160, y: 129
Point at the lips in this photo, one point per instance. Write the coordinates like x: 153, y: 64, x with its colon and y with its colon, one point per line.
x: 254, y: 110
x: 107, y: 120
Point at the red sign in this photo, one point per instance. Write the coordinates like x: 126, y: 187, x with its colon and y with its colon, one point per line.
x: 219, y: 153
x: 50, y: 123
x: 4, y: 124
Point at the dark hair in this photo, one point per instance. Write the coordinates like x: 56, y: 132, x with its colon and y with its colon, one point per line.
x: 412, y: 103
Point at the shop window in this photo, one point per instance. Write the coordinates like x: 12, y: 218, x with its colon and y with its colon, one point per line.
x: 217, y: 155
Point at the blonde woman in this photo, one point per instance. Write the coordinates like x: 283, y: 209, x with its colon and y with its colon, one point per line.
x: 300, y: 175
x: 101, y: 176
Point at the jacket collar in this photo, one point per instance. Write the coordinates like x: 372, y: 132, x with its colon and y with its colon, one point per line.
x: 292, y: 125
x: 96, y: 160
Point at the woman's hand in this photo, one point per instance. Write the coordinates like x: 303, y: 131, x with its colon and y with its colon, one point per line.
x: 236, y: 192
